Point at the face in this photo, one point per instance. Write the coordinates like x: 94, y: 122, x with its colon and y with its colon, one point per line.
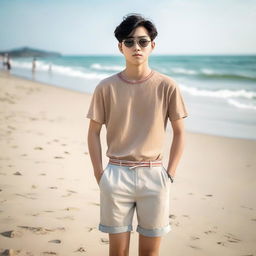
x: 142, y: 52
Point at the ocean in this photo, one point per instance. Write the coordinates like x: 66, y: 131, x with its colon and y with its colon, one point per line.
x: 219, y: 91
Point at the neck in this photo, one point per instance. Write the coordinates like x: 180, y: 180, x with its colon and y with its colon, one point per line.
x: 132, y: 72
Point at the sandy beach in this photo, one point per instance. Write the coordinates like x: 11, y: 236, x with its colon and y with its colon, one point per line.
x: 49, y: 197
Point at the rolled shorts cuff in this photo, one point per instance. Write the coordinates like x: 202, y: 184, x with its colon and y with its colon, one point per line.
x: 154, y: 232
x: 113, y: 230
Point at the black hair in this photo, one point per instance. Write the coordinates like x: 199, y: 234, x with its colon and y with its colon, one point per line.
x: 132, y: 21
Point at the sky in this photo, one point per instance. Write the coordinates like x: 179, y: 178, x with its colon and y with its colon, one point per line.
x: 87, y: 26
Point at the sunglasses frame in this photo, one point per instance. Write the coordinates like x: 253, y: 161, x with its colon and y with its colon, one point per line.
x: 137, y: 41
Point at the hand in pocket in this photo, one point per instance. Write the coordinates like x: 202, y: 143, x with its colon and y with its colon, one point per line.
x: 99, y: 176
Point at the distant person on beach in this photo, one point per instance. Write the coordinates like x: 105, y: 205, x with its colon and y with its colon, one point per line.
x: 135, y: 105
x: 8, y: 63
x: 50, y: 67
x: 5, y: 59
x: 34, y: 65
x: 2, y: 60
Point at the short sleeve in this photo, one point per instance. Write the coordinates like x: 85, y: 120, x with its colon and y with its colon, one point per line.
x: 97, y: 109
x: 176, y: 105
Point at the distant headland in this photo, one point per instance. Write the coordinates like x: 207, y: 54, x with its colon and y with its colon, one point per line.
x: 29, y: 52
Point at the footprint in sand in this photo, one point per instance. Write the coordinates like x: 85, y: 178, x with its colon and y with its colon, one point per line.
x: 242, y: 206
x: 12, y: 233
x: 81, y: 249
x: 35, y: 214
x: 42, y: 174
x: 104, y: 240
x: 90, y: 229
x: 59, y: 157
x: 67, y: 195
x: 66, y: 152
x: 253, y: 219
x: 209, y: 232
x: 195, y: 247
x: 25, y: 196
x: 194, y: 237
x: 54, y: 187
x: 71, y: 191
x: 171, y: 216
x: 23, y: 155
x: 41, y: 230
x: 71, y: 208
x: 11, y: 127
x: 17, y: 173
x: 49, y: 253
x: 12, y: 252
x: 221, y: 243
x: 56, y: 241
x: 232, y: 238
x: 33, y: 119
x: 38, y: 162
x: 38, y: 148
x: 186, y: 216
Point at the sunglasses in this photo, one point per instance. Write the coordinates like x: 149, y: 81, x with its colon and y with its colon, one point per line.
x: 142, y: 42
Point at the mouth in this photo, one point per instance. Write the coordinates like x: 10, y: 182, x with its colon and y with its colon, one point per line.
x: 137, y: 55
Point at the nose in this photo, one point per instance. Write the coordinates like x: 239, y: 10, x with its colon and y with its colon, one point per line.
x: 136, y: 44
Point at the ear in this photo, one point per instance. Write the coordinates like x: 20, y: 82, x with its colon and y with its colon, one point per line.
x: 153, y: 44
x: 120, y: 47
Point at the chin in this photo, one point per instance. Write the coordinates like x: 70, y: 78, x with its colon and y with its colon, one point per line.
x: 138, y: 61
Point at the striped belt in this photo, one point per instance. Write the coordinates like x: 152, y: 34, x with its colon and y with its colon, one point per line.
x: 134, y: 164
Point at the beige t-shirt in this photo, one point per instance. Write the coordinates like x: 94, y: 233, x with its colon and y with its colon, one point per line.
x: 136, y: 114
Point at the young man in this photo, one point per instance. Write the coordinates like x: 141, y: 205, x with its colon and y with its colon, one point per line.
x: 135, y: 105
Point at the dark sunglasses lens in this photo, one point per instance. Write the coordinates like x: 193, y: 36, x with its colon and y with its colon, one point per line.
x: 143, y: 42
x: 128, y: 43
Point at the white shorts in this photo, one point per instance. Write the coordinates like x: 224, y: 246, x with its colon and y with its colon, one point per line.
x: 123, y: 188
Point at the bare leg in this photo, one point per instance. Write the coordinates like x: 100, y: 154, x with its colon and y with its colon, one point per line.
x: 119, y: 244
x: 149, y: 246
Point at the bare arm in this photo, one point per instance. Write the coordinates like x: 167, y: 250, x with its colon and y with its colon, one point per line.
x: 94, y: 147
x: 177, y: 145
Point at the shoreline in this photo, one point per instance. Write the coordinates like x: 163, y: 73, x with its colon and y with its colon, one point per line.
x: 4, y: 73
